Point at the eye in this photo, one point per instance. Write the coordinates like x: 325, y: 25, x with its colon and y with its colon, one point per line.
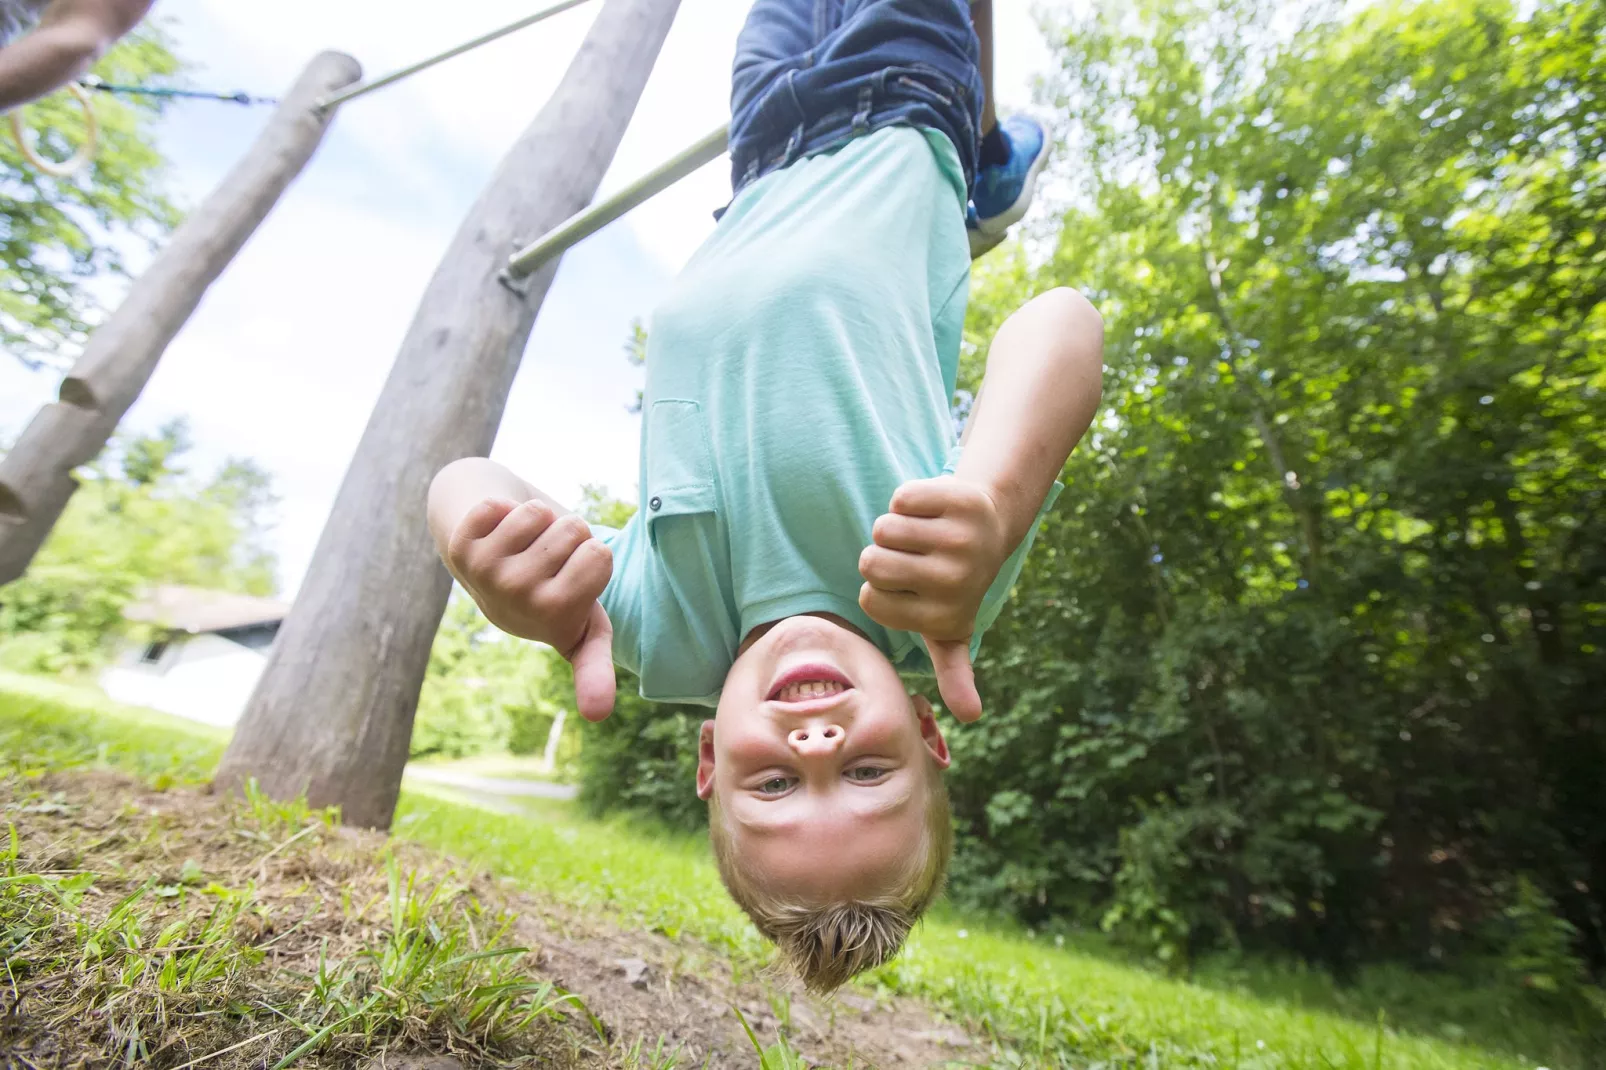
x: 865, y: 774
x: 775, y: 785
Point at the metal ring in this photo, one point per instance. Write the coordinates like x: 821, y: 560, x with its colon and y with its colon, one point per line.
x: 68, y: 167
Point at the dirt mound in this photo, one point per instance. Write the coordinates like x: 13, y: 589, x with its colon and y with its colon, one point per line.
x: 177, y: 929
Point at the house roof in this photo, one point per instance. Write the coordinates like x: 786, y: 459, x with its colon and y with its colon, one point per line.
x: 196, y: 610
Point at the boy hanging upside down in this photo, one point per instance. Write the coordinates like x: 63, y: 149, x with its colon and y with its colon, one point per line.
x: 808, y: 529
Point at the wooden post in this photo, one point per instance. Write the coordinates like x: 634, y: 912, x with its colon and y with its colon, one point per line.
x: 554, y: 738
x: 36, y: 475
x: 332, y: 715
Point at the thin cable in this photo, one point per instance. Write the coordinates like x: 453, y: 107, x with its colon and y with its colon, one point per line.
x: 468, y: 46
x: 166, y: 91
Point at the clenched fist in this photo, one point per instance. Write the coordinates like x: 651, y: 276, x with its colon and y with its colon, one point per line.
x: 934, y: 556
x: 538, y: 575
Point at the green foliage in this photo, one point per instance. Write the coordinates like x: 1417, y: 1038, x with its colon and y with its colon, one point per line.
x: 483, y: 691
x: 643, y: 758
x: 598, y: 507
x: 1538, y: 950
x: 138, y: 519
x: 56, y: 234
x: 528, y: 726
x: 636, y: 354
x: 1309, y: 654
x: 1159, y: 901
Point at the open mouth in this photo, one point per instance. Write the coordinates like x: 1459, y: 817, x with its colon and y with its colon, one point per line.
x: 809, y: 683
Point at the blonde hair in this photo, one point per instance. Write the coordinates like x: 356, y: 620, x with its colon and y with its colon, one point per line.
x: 829, y: 945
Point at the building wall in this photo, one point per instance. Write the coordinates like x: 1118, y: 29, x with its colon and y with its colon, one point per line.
x: 203, y: 677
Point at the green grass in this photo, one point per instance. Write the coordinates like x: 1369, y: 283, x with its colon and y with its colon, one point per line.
x: 139, y: 961
x: 1045, y: 1005
x: 1042, y: 1005
x: 78, y: 726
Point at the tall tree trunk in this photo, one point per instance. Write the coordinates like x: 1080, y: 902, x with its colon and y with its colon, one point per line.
x: 333, y: 713
x: 36, y: 479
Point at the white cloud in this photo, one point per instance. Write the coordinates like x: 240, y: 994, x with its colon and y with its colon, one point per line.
x: 284, y: 359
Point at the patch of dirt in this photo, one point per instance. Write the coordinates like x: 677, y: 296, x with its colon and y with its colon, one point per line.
x: 318, y: 893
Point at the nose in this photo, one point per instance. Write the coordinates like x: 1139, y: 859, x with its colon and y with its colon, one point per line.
x: 816, y: 740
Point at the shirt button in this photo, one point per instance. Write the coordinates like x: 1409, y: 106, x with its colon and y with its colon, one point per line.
x: 655, y: 504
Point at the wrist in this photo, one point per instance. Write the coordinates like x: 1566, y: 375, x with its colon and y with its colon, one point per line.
x: 1013, y: 505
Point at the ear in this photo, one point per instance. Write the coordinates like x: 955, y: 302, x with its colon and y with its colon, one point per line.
x: 705, y: 761
x: 930, y: 731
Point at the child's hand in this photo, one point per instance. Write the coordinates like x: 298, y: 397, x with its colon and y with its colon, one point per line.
x: 935, y: 555
x: 538, y: 575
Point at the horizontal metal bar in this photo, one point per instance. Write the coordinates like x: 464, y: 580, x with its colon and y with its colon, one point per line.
x: 582, y: 225
x: 362, y: 88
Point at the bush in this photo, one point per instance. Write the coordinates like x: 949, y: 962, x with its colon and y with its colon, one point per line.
x: 528, y: 725
x: 643, y: 759
x: 456, y: 723
x: 1536, y: 947
x: 483, y: 691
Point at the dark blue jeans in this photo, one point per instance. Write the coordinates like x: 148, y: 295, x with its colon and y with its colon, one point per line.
x: 810, y: 74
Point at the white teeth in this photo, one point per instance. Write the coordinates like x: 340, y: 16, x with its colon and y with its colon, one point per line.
x: 808, y: 689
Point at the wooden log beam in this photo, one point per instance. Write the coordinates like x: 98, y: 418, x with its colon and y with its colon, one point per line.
x: 36, y: 475
x: 332, y: 715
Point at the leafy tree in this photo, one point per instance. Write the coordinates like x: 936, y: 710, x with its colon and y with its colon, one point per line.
x: 1309, y: 653
x: 454, y: 717
x: 147, y: 461
x: 56, y: 234
x: 139, y: 520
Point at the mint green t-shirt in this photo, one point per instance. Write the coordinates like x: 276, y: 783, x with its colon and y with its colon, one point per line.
x: 800, y: 369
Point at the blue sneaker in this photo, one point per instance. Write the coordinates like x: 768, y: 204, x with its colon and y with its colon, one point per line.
x: 1004, y: 192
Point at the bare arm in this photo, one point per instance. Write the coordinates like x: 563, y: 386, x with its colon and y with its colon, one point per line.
x: 1044, y: 379
x: 462, y: 485
x: 943, y: 541
x: 70, y: 37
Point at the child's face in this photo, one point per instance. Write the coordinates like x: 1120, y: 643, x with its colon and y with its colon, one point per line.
x: 821, y: 760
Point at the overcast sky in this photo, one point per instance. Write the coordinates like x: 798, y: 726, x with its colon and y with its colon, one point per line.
x: 284, y: 359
